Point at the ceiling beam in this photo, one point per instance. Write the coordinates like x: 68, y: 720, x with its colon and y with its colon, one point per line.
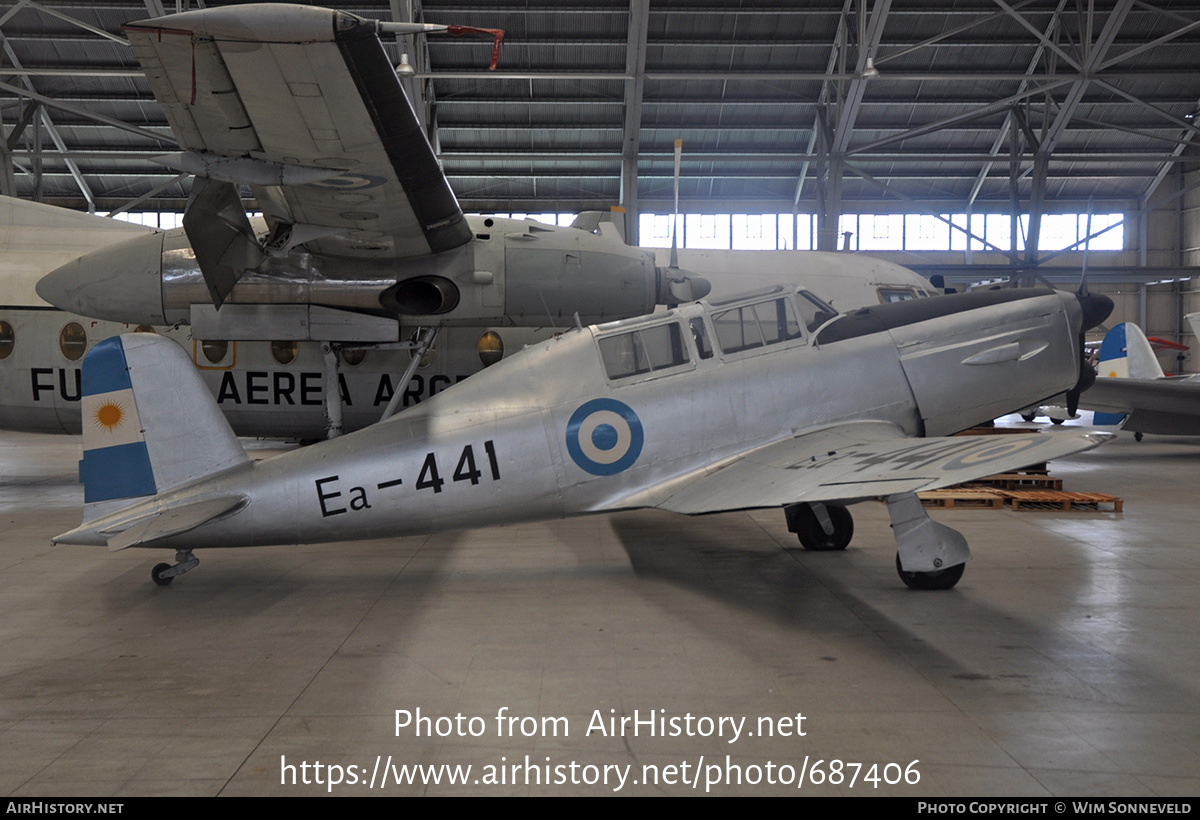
x: 631, y: 139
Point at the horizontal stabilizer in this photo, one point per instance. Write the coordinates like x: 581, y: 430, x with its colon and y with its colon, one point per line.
x: 1175, y: 396
x: 854, y: 461
x: 168, y: 522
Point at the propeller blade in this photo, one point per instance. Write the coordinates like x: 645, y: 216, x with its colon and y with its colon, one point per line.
x: 1095, y: 308
x: 675, y: 218
x: 1087, y: 243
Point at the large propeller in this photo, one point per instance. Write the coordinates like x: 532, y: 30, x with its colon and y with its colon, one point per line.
x: 1096, y: 307
x: 676, y: 286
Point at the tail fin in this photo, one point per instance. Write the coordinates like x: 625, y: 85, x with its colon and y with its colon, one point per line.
x: 149, y: 423
x: 1125, y: 354
x: 1193, y: 320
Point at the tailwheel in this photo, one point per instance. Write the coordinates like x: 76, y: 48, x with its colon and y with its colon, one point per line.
x: 805, y: 521
x: 156, y: 575
x: 939, y: 579
x: 164, y: 574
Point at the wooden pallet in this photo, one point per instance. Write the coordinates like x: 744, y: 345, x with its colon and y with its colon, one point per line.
x: 1027, y: 489
x: 1019, y: 481
x: 951, y: 499
x: 1032, y: 500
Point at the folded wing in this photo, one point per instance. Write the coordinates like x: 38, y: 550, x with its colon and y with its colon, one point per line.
x: 303, y: 104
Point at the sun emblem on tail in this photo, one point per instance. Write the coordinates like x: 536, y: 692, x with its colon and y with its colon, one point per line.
x: 109, y: 416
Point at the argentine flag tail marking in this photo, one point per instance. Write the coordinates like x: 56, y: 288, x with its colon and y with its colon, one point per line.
x: 115, y: 461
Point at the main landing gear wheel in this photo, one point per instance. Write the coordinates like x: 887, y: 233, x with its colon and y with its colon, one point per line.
x: 156, y: 575
x: 803, y: 521
x: 1028, y: 416
x: 941, y: 579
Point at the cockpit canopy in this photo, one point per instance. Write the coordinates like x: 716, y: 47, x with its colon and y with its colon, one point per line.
x: 655, y: 344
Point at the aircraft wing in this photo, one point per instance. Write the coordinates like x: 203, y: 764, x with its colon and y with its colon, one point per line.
x: 1168, y: 406
x: 854, y: 461
x: 1127, y: 395
x: 302, y: 104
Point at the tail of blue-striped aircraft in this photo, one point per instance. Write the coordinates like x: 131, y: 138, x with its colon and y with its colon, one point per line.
x: 150, y: 425
x: 1125, y: 353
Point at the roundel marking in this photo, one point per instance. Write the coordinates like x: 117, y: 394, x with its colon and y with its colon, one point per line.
x: 350, y: 182
x: 998, y: 450
x: 604, y: 436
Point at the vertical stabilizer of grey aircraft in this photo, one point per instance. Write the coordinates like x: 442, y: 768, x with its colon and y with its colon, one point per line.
x: 770, y: 399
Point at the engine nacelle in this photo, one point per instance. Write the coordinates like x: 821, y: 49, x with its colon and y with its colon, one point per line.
x: 421, y: 296
x: 512, y: 272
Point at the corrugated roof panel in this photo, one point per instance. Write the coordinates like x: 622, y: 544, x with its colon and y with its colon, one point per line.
x: 743, y: 86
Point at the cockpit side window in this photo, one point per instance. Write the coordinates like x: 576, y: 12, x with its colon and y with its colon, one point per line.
x: 777, y: 320
x: 664, y: 346
x: 756, y: 325
x: 814, y: 312
x: 736, y: 330
x: 644, y: 350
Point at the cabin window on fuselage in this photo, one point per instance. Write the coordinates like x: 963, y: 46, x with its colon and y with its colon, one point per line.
x: 7, y: 340
x: 214, y: 351
x: 72, y: 341
x: 757, y: 325
x: 643, y: 351
x: 285, y: 352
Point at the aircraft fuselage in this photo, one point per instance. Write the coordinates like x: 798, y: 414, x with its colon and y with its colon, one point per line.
x: 269, y: 389
x: 584, y: 421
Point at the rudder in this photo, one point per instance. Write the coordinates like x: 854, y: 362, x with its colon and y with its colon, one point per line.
x: 149, y: 423
x: 116, y: 462
x: 1126, y: 354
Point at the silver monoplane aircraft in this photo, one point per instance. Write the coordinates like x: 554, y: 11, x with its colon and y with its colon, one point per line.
x: 771, y: 399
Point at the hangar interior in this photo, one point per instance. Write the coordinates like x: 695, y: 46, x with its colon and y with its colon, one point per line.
x: 1031, y: 111
x: 1066, y: 666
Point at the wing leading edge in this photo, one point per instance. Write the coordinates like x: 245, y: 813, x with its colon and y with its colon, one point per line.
x: 849, y: 462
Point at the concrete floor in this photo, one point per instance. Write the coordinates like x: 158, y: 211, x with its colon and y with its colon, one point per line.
x: 1065, y: 663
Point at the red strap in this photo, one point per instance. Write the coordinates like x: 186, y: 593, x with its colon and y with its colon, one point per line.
x: 497, y: 35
